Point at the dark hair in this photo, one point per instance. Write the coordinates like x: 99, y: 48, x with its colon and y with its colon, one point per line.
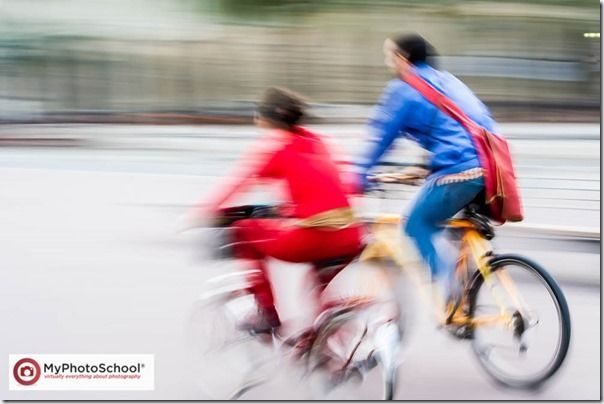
x: 414, y: 48
x: 282, y: 107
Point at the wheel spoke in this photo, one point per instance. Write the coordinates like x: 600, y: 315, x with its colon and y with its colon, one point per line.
x: 501, y: 326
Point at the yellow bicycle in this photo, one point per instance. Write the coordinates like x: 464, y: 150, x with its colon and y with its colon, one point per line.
x: 513, y: 311
x: 354, y: 334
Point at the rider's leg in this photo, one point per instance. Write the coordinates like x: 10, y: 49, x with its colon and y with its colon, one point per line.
x: 313, y: 246
x: 249, y: 235
x: 262, y: 238
x: 319, y: 278
x: 433, y: 205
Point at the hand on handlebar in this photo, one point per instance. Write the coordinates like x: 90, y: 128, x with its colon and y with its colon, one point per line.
x: 410, y: 176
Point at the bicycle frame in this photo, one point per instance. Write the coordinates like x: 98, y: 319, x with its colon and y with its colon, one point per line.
x: 475, y: 246
x: 386, y: 244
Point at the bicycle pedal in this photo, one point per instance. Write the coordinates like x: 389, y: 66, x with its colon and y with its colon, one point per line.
x: 370, y: 362
x: 460, y: 332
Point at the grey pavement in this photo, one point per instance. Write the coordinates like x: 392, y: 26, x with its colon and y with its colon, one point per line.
x: 93, y: 263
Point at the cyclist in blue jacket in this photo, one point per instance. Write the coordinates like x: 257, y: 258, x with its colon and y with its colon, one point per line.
x: 455, y: 175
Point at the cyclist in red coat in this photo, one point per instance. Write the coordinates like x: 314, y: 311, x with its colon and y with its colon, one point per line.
x: 320, y: 224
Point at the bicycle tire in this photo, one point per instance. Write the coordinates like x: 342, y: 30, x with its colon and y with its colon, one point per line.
x: 389, y: 370
x: 496, y: 263
x: 202, y: 349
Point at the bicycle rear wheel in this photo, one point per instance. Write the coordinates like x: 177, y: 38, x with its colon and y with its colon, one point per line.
x: 521, y: 330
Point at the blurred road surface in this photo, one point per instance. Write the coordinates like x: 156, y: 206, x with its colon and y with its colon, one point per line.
x: 93, y: 264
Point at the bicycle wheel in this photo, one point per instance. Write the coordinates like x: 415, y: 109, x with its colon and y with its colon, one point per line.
x: 349, y: 346
x: 521, y: 330
x: 224, y: 360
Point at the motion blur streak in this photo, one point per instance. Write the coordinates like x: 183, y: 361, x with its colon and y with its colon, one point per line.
x: 91, y: 59
x: 118, y: 116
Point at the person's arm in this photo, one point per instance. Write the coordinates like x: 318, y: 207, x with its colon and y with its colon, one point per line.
x: 343, y: 163
x: 259, y: 164
x: 385, y: 126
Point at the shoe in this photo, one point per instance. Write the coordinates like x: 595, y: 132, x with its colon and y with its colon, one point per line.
x: 460, y: 331
x: 452, y: 306
x: 455, y: 314
x: 264, y: 321
x: 450, y: 289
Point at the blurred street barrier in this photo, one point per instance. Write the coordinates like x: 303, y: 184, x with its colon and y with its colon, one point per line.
x: 198, y: 61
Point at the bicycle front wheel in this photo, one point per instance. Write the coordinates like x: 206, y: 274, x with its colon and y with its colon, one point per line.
x: 521, y: 331
x: 223, y: 359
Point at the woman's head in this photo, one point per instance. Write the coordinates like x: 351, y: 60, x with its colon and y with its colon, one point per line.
x: 280, y: 108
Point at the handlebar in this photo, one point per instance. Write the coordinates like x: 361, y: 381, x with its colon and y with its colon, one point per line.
x: 410, y: 176
x: 396, y: 178
x: 228, y: 216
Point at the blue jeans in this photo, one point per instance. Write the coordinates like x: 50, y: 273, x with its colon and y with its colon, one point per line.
x: 433, y: 205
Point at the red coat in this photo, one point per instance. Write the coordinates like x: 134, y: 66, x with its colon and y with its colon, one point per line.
x: 302, y: 160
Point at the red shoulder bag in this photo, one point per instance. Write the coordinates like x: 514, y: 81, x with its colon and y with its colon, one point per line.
x: 501, y: 191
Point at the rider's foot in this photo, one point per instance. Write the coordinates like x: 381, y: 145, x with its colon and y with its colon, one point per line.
x: 450, y: 290
x: 460, y: 331
x: 452, y: 306
x: 456, y: 315
x: 264, y: 321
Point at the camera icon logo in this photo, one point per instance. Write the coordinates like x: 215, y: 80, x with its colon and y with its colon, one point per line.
x: 26, y: 371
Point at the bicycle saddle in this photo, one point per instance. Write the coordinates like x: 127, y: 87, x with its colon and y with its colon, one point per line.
x: 334, y: 262
x: 479, y: 220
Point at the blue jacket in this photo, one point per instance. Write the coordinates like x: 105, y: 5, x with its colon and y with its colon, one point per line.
x: 402, y: 110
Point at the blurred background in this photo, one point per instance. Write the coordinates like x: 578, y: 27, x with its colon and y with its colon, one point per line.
x: 64, y: 60
x: 119, y: 116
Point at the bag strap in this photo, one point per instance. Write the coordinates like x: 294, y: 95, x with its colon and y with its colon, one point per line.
x: 447, y: 105
x: 442, y: 102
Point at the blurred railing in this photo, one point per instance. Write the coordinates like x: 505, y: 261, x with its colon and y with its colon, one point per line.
x: 60, y: 57
x: 557, y: 164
